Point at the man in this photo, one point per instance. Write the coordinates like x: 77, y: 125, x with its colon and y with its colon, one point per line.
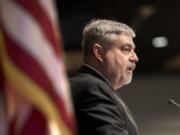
x: 109, y: 60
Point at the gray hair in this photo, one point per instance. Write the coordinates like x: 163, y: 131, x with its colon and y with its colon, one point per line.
x: 100, y: 31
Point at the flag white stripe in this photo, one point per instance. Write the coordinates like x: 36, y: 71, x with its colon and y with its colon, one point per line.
x: 32, y: 40
x: 49, y: 8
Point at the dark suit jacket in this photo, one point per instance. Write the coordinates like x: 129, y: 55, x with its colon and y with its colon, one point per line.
x: 99, y: 110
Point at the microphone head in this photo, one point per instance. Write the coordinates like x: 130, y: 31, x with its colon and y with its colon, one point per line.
x: 171, y: 101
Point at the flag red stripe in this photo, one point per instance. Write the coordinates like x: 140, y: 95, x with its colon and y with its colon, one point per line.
x: 36, y: 10
x: 1, y: 77
x: 12, y: 126
x: 22, y: 59
x: 36, y: 123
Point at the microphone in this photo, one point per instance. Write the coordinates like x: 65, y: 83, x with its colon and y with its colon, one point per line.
x: 173, y: 102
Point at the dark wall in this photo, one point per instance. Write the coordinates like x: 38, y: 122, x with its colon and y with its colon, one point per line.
x: 147, y: 97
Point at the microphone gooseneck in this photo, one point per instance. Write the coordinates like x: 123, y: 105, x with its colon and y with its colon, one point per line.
x: 173, y: 102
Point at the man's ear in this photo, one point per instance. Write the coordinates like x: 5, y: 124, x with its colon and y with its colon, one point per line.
x: 98, y: 52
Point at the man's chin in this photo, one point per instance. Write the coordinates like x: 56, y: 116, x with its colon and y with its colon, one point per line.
x: 127, y: 79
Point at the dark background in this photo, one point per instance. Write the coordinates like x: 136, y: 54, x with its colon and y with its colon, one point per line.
x: 157, y: 76
x: 149, y: 18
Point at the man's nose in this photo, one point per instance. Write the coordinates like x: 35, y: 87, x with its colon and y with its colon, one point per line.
x: 134, y: 58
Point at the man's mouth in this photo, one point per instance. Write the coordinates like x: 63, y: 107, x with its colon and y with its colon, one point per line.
x: 131, y: 68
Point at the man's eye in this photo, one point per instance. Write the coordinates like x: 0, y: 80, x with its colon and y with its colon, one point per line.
x: 126, y: 50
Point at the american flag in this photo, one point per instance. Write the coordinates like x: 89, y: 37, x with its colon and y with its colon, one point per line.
x: 34, y: 88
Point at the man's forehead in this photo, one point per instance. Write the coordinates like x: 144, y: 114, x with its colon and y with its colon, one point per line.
x: 123, y: 39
